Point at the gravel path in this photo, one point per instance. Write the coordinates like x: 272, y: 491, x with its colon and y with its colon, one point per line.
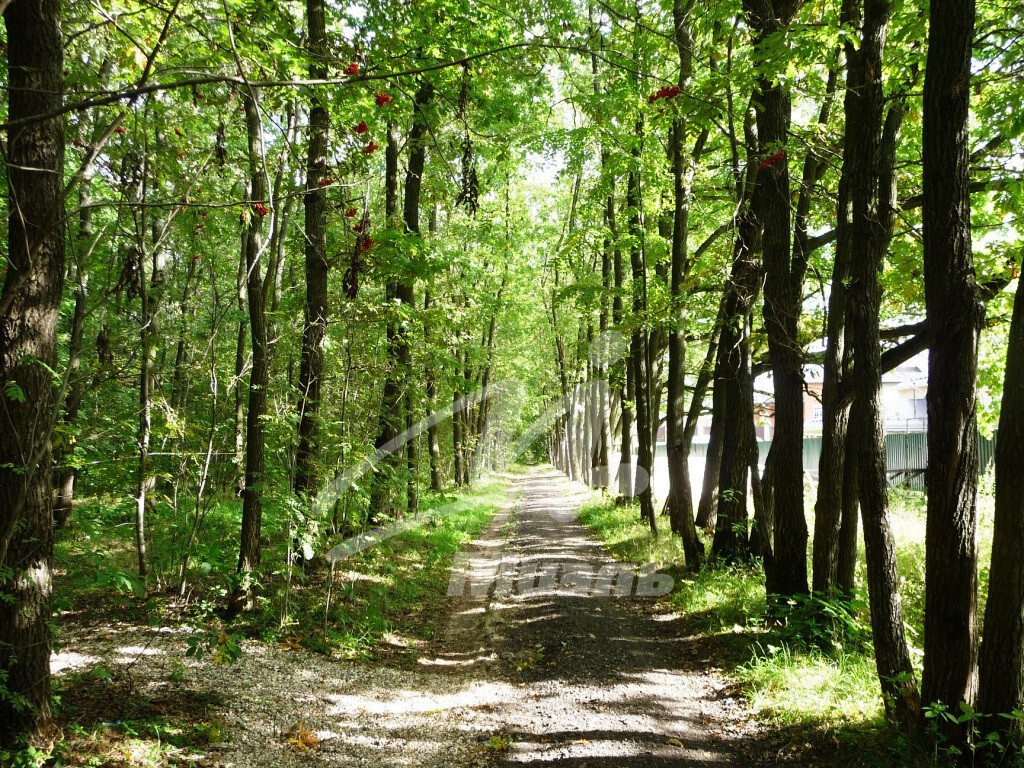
x: 531, y: 671
x: 600, y: 681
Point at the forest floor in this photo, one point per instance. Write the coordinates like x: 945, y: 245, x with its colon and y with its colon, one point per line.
x: 529, y: 676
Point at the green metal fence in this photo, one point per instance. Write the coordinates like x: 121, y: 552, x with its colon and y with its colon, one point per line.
x: 906, y: 456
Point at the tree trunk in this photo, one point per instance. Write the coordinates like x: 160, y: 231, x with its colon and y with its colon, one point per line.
x: 733, y: 399
x: 869, y: 208
x: 430, y: 390
x: 314, y: 326
x: 679, y: 504
x: 382, y: 502
x: 707, y: 507
x: 829, y: 503
x: 29, y: 310
x: 846, y: 554
x: 406, y: 286
x: 1001, y: 663
x: 787, y: 574
x: 259, y: 375
x: 66, y: 473
x: 955, y: 314
x: 639, y: 352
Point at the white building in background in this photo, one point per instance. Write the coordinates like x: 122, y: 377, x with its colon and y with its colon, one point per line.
x: 904, y: 392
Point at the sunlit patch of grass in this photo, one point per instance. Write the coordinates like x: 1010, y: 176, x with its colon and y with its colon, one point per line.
x: 811, y: 689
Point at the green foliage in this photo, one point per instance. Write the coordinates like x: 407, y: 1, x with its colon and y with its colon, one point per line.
x: 224, y: 647
x: 831, y: 625
x: 985, y: 747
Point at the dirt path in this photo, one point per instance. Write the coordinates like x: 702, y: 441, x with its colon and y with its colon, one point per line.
x: 525, y: 675
x: 599, y: 680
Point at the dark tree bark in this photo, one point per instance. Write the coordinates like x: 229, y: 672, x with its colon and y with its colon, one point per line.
x: 314, y: 326
x: 787, y: 573
x: 846, y: 553
x: 955, y: 315
x: 829, y: 504
x: 259, y: 374
x: 733, y: 394
x: 1001, y: 662
x: 870, y: 208
x: 382, y: 502
x: 679, y: 504
x: 29, y: 310
x: 733, y: 398
x: 639, y: 352
x: 407, y: 285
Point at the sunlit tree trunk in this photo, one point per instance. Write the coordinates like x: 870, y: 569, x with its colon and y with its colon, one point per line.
x: 29, y: 310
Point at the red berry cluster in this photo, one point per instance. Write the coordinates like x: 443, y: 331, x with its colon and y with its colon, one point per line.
x: 366, y: 244
x: 361, y: 127
x: 768, y: 162
x: 384, y: 98
x: 370, y: 148
x: 668, y: 92
x: 358, y: 228
x: 326, y: 182
x: 260, y: 209
x: 351, y: 69
x: 351, y: 213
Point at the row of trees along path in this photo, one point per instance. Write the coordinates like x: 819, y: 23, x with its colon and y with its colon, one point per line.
x: 247, y: 246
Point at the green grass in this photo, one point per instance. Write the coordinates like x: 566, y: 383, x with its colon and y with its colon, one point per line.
x: 392, y: 595
x: 392, y: 592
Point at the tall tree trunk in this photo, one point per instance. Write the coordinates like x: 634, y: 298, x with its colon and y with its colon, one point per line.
x: 733, y: 398
x: 259, y: 375
x: 869, y: 208
x: 620, y: 374
x: 679, y: 504
x: 846, y: 554
x: 314, y: 327
x: 66, y: 473
x: 1001, y: 662
x: 829, y: 503
x: 149, y: 335
x: 382, y: 501
x: 457, y: 439
x: 406, y: 287
x: 430, y: 390
x: 639, y: 345
x: 787, y: 574
x: 29, y: 310
x: 733, y: 401
x: 240, y: 334
x: 955, y: 314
